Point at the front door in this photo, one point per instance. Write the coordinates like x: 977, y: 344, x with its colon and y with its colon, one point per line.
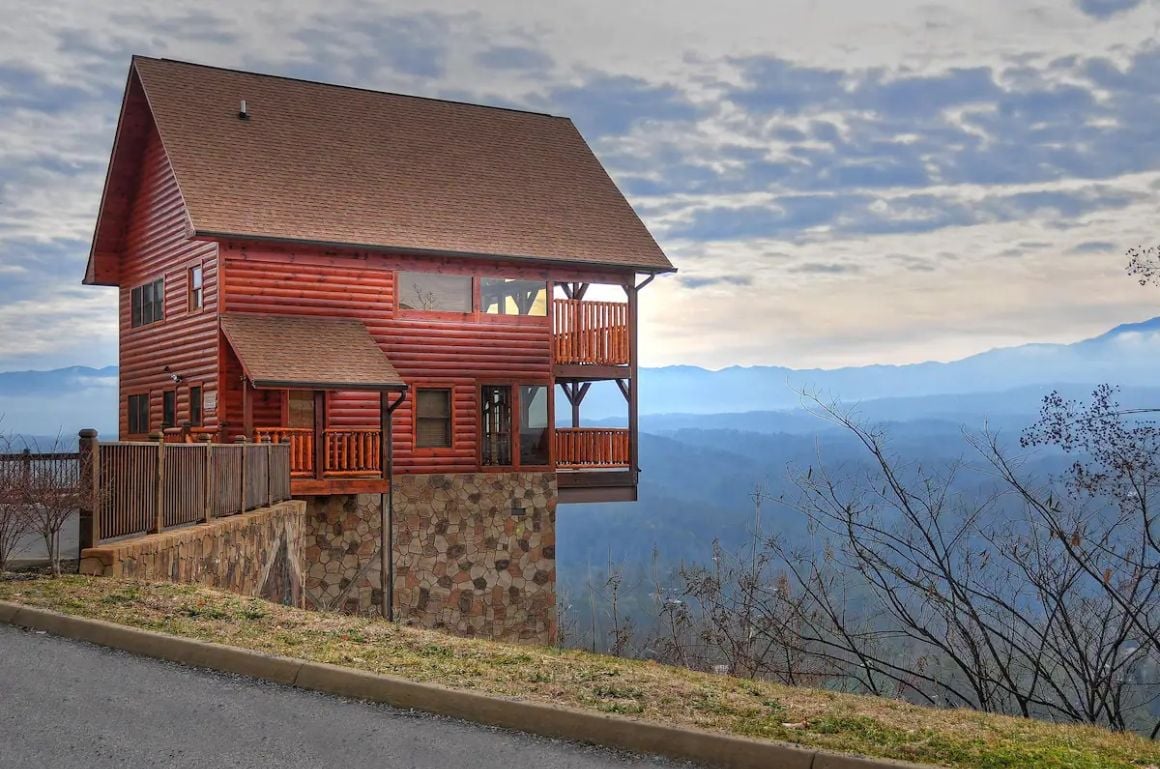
x: 300, y: 409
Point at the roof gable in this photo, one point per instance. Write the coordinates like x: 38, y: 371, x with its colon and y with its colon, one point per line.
x: 346, y: 167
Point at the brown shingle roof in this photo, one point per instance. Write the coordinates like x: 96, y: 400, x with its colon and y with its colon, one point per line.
x: 313, y: 353
x: 336, y: 165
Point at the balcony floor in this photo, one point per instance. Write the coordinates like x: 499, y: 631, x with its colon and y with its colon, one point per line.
x: 596, y: 485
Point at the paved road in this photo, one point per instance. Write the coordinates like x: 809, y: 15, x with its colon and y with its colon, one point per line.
x: 30, y: 547
x: 67, y: 704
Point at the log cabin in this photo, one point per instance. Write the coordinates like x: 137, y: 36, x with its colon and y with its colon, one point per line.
x: 399, y: 287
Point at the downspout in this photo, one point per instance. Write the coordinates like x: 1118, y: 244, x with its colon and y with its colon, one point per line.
x: 387, y: 509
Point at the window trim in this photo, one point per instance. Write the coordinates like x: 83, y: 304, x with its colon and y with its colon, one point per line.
x: 515, y: 385
x: 191, y: 292
x: 433, y: 450
x: 168, y: 409
x: 199, y: 419
x: 137, y: 308
x: 140, y: 398
x: 476, y: 314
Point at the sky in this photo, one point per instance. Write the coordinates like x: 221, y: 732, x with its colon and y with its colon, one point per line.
x: 839, y: 182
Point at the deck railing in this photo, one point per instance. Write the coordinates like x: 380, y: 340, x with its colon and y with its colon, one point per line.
x: 591, y: 447
x: 352, y: 452
x: 301, y: 440
x: 346, y: 452
x: 146, y: 487
x: 591, y: 332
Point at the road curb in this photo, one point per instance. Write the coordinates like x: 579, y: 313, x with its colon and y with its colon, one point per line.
x: 545, y: 720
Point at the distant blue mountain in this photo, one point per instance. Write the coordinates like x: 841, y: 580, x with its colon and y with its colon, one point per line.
x: 1012, y: 379
x: 1127, y: 355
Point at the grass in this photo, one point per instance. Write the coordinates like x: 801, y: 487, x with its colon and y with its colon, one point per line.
x: 641, y: 690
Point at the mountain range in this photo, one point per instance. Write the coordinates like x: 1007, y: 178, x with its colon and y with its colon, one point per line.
x: 1008, y: 381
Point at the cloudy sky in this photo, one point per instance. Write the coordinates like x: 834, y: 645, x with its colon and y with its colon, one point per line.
x: 840, y: 182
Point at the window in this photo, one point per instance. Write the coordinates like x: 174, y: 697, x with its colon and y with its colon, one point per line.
x: 195, y: 406
x: 196, y: 289
x: 169, y: 409
x: 496, y: 419
x: 138, y: 414
x: 148, y: 303
x: 433, y: 419
x: 500, y: 296
x: 433, y: 292
x: 534, y: 434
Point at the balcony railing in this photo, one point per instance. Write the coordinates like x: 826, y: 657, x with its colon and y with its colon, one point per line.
x: 582, y: 448
x: 346, y: 453
x: 352, y: 452
x: 591, y: 332
x: 301, y: 440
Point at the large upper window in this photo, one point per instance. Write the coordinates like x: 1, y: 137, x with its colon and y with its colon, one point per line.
x: 503, y: 296
x: 148, y: 303
x: 534, y: 434
x: 432, y: 419
x: 138, y: 414
x: 196, y: 288
x: 434, y: 292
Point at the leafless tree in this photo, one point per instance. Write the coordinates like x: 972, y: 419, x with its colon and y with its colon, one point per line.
x: 1144, y: 264
x: 51, y: 494
x: 14, y: 518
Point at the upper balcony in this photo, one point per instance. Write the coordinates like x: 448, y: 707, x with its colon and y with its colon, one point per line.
x: 591, y: 339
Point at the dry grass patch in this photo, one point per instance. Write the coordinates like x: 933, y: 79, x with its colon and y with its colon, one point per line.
x: 642, y: 690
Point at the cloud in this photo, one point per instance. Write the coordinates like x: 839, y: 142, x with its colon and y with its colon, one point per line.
x: 604, y: 104
x: 1093, y: 247
x: 514, y: 57
x: 824, y: 268
x: 703, y: 281
x: 1102, y: 9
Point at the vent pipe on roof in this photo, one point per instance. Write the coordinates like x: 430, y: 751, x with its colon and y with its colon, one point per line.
x: 243, y: 113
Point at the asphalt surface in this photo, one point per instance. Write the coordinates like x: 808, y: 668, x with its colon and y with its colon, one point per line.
x: 69, y: 704
x: 30, y: 547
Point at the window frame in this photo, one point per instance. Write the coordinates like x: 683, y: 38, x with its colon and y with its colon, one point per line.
x: 450, y: 418
x: 133, y: 404
x: 516, y: 426
x: 196, y: 416
x: 155, y: 289
x: 168, y: 409
x: 195, y: 294
x: 425, y: 313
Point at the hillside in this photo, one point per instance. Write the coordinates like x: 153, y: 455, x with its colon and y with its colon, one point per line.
x: 638, y: 690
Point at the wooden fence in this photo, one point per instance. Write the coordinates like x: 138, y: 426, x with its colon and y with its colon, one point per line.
x: 146, y: 487
x: 25, y: 470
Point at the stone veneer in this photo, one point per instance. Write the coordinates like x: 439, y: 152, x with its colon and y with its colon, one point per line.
x: 259, y: 553
x: 475, y: 554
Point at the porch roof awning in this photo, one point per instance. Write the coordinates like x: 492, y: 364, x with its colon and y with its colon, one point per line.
x: 281, y: 351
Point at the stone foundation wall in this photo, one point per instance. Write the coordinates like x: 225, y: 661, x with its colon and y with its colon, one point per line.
x: 259, y: 553
x: 475, y: 554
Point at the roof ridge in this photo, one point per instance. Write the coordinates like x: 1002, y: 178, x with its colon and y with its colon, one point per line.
x: 352, y: 87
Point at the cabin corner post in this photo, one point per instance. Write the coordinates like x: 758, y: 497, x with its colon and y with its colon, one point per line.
x: 319, y: 434
x: 633, y: 382
x: 88, y: 516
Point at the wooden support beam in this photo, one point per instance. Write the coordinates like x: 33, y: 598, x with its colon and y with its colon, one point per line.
x: 247, y: 409
x: 633, y: 382
x: 624, y: 386
x: 580, y: 290
x: 319, y: 433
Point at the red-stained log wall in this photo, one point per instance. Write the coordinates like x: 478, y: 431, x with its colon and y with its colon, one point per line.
x: 155, y: 245
x: 454, y: 352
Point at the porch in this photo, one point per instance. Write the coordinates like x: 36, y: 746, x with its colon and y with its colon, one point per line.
x: 299, y: 360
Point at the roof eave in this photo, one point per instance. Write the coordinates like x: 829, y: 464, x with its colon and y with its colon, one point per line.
x: 413, y: 251
x: 274, y: 384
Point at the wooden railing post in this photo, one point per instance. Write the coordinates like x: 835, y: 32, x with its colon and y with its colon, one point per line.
x: 241, y: 441
x: 159, y: 511
x: 269, y: 468
x: 208, y: 505
x: 90, y: 514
